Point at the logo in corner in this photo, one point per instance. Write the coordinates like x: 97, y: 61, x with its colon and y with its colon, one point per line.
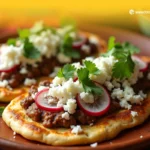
x: 131, y: 12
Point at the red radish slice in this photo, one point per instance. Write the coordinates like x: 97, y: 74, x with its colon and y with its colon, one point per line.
x: 77, y: 44
x: 42, y: 103
x: 99, y: 107
x: 75, y: 79
x: 9, y: 69
x: 143, y: 65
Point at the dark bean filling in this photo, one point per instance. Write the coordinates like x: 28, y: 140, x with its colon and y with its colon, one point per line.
x: 52, y: 120
x: 44, y: 68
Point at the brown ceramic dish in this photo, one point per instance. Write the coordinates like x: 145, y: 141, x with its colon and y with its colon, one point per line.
x: 128, y: 139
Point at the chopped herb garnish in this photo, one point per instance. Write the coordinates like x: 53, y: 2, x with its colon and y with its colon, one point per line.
x: 88, y: 85
x: 30, y: 51
x: 24, y: 33
x: 130, y: 47
x: 122, y: 52
x: 124, y: 67
x: 91, y: 67
x: 11, y: 41
x: 1, y: 110
x: 67, y: 71
x: 111, y: 42
x: 66, y: 48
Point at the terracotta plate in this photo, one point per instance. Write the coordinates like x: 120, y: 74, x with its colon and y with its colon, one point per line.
x: 128, y: 139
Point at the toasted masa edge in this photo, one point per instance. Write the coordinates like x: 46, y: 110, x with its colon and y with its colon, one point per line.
x: 106, y: 128
x: 6, y: 95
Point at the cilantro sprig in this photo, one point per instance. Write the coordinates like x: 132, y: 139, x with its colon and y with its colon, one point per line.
x: 1, y: 110
x: 67, y: 71
x: 124, y: 67
x: 66, y: 47
x: 30, y: 51
x: 23, y: 33
x: 91, y: 67
x: 12, y: 41
x: 88, y: 85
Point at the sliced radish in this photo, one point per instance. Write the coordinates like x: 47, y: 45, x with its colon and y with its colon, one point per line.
x: 9, y: 69
x: 75, y: 79
x: 42, y: 102
x: 143, y: 65
x: 99, y: 107
x: 77, y: 44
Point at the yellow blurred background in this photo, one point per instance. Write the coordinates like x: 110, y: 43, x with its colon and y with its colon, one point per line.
x: 108, y: 13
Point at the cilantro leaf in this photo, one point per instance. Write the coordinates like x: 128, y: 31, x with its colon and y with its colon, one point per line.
x: 111, y: 42
x: 72, y: 53
x: 123, y: 68
x: 125, y: 65
x: 66, y: 48
x: 1, y: 110
x: 60, y: 73
x: 91, y: 67
x: 30, y: 51
x: 11, y: 41
x: 122, y: 52
x: 24, y: 33
x: 130, y: 47
x: 88, y: 85
x: 67, y: 71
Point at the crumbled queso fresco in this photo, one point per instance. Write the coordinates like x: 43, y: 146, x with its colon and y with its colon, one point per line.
x: 65, y: 91
x: 46, y: 43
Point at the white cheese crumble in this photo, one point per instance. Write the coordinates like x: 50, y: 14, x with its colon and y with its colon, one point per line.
x: 127, y: 95
x: 89, y: 58
x: 10, y: 56
x: 87, y: 97
x: 65, y: 92
x: 116, y: 84
x: 14, y: 133
x: 23, y: 70
x: 93, y: 39
x: 94, y: 144
x: 3, y: 83
x: 29, y: 82
x: 141, y: 136
x: 134, y: 113
x: 77, y: 65
x: 46, y: 42
x: 63, y: 58
x: 76, y: 129
x: 105, y: 64
x: 65, y: 115
x: 109, y: 85
x: 40, y: 88
x: 57, y: 81
x: 70, y: 106
x: 86, y: 48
